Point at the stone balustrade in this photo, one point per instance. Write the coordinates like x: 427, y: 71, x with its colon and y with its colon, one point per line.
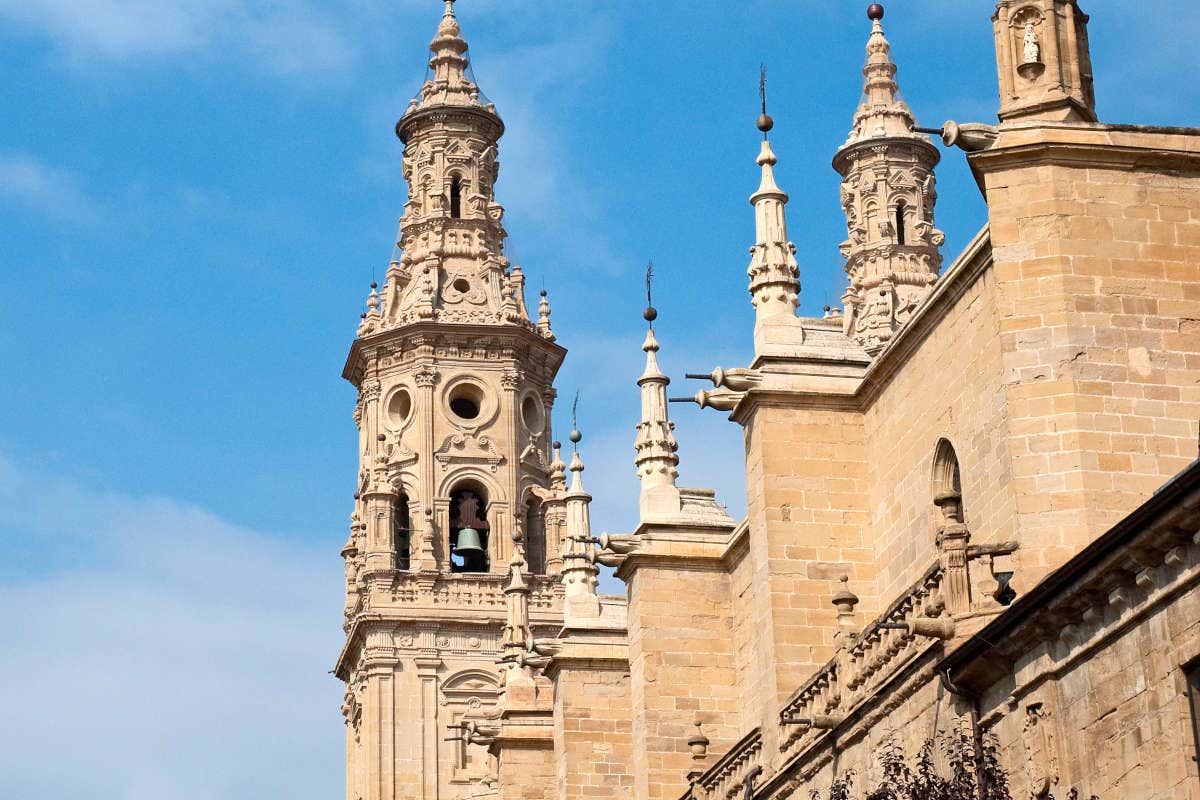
x: 869, y: 659
x: 727, y: 777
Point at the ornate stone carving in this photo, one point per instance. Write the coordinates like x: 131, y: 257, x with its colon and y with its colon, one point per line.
x: 467, y: 448
x: 1041, y: 750
x: 888, y: 195
x: 426, y: 376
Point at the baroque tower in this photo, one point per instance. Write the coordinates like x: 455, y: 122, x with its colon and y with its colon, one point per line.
x: 460, y: 500
x: 893, y: 251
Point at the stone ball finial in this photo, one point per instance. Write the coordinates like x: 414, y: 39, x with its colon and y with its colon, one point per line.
x: 576, y: 436
x: 650, y: 314
x: 765, y: 123
x: 875, y: 11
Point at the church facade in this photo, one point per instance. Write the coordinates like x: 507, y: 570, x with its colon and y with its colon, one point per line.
x: 973, y: 488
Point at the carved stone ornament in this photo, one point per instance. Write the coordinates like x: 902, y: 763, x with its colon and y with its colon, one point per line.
x: 426, y: 376
x: 1041, y: 750
x: 469, y: 449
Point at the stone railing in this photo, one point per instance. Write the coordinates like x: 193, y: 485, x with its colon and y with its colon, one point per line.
x: 475, y: 590
x: 727, y: 777
x: 868, y: 660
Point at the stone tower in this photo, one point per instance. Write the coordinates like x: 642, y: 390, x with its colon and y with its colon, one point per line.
x: 458, y: 489
x: 888, y: 193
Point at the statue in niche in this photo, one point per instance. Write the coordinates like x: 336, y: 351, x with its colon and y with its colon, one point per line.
x: 1033, y: 49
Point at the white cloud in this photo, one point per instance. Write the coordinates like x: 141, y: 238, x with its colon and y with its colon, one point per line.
x: 28, y: 181
x: 185, y: 658
x: 286, y: 36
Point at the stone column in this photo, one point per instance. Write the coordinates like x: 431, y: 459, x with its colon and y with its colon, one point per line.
x: 427, y: 671
x: 424, y: 554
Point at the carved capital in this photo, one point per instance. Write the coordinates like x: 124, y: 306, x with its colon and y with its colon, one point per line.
x: 426, y: 377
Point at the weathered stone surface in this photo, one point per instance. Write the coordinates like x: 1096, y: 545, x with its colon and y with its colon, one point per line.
x: 971, y: 502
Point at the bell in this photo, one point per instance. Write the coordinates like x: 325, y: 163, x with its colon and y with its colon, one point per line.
x: 468, y: 542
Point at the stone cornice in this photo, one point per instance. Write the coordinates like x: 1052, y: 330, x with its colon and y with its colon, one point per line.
x: 684, y: 545
x: 436, y: 331
x: 1088, y: 146
x: 885, y: 145
x: 492, y: 125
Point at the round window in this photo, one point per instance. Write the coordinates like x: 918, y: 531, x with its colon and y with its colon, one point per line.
x: 462, y: 285
x: 531, y: 414
x: 399, y: 407
x: 466, y: 400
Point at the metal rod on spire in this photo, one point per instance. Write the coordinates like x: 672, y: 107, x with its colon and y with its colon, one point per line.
x: 651, y: 313
x: 762, y: 86
x: 576, y: 436
x: 765, y: 123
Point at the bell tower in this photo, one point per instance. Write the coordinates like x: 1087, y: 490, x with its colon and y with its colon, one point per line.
x: 456, y: 477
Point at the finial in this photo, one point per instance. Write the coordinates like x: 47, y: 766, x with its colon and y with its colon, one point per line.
x: 576, y: 437
x: 651, y: 313
x: 875, y: 12
x: 765, y: 123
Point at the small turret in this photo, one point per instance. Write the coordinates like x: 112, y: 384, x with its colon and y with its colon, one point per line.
x: 1044, y: 62
x: 888, y: 194
x: 773, y: 271
x: 579, y: 575
x: 655, y: 445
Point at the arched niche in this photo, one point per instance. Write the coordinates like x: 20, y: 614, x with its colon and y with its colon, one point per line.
x: 534, y: 523
x: 469, y: 695
x: 947, y: 482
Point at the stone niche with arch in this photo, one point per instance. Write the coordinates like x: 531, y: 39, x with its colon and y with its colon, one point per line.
x: 470, y: 695
x: 468, y: 511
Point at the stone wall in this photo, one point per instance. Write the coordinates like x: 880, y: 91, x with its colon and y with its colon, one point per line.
x: 681, y: 665
x: 950, y: 385
x: 593, y: 736
x: 806, y: 478
x: 1096, y: 237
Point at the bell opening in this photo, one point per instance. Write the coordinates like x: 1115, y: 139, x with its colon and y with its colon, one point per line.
x: 468, y: 532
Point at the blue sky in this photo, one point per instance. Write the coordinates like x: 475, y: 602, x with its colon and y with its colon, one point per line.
x: 194, y: 197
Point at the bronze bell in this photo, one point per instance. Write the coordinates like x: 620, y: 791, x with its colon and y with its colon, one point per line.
x: 468, y: 542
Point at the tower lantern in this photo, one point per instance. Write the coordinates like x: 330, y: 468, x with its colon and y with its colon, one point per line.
x: 888, y: 193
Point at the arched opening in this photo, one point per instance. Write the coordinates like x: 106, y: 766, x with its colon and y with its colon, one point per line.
x: 947, y: 482
x: 456, y: 198
x: 900, y: 231
x: 402, y: 532
x: 535, y: 536
x: 468, y: 530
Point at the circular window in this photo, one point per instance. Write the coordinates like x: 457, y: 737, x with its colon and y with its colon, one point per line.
x: 399, y: 407
x: 531, y: 414
x: 462, y: 286
x: 466, y: 400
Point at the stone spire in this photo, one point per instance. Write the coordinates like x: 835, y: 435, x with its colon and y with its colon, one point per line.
x: 452, y: 267
x: 888, y: 194
x: 655, y: 446
x: 516, y: 633
x: 579, y: 570
x: 774, y: 274
x: 448, y: 85
x: 544, y: 312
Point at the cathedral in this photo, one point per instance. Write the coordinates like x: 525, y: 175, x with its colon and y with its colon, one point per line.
x: 973, y: 490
